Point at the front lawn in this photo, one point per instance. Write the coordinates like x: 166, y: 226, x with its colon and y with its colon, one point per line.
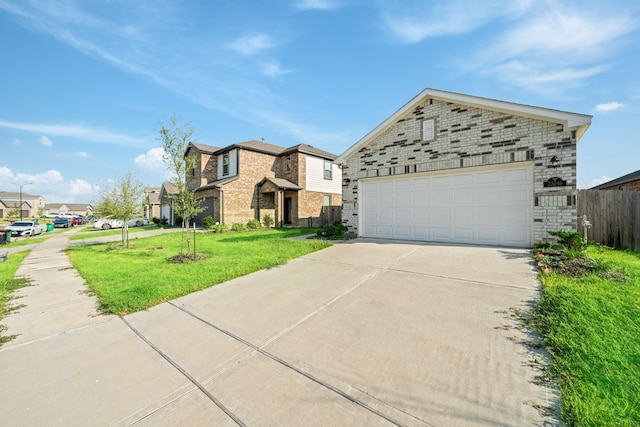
x: 134, y: 279
x: 90, y: 232
x: 591, y: 327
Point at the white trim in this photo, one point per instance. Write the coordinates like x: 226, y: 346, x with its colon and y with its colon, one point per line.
x: 572, y: 121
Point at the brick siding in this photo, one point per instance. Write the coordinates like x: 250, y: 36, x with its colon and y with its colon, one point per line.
x: 467, y: 137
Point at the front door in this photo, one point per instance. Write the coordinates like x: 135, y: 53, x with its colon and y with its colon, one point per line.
x: 288, y: 204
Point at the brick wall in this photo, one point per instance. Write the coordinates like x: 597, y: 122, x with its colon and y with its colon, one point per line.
x: 241, y: 195
x: 467, y: 137
x: 630, y: 186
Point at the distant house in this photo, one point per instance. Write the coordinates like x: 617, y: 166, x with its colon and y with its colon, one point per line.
x: 166, y: 195
x: 151, y: 204
x: 251, y: 179
x: 629, y: 182
x: 32, y: 205
x: 84, y: 209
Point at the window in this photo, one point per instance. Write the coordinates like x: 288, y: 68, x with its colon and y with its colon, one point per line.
x: 327, y: 200
x: 428, y: 129
x: 287, y: 164
x: 225, y: 164
x: 327, y: 169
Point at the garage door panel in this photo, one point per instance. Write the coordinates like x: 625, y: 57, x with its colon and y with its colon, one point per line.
x: 441, y: 233
x: 472, y: 206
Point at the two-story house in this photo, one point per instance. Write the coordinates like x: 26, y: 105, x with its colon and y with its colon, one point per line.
x: 251, y: 179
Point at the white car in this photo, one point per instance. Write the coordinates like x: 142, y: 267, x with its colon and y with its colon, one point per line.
x: 108, y: 223
x: 26, y: 228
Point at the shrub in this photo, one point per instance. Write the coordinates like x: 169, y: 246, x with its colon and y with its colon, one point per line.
x: 220, y: 228
x: 335, y: 230
x: 238, y: 226
x: 267, y: 220
x: 155, y: 220
x: 208, y: 222
x: 253, y: 224
x: 569, y: 240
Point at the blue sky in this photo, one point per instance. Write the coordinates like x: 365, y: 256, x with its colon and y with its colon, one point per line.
x: 84, y: 84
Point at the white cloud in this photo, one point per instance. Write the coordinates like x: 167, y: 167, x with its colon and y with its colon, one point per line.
x: 251, y: 45
x: 153, y: 161
x: 74, y: 131
x: 46, y: 141
x: 273, y: 69
x: 80, y: 187
x: 315, y: 4
x: 49, y: 184
x: 598, y: 181
x: 16, y: 143
x: 82, y: 154
x: 413, y: 21
x: 553, y: 47
x: 608, y: 106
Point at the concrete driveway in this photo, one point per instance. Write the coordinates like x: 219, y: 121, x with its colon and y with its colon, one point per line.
x: 362, y: 333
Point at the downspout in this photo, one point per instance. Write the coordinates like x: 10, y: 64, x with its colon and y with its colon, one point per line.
x: 221, y: 206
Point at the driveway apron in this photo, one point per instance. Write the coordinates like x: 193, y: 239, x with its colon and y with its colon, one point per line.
x: 362, y: 333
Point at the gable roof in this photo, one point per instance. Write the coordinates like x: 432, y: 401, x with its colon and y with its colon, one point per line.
x: 169, y: 188
x: 308, y: 149
x: 280, y: 183
x: 253, y: 145
x: 202, y: 148
x: 574, y: 121
x: 16, y: 195
x: 633, y: 176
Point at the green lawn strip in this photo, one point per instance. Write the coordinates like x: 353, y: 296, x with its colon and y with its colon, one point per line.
x: 591, y: 327
x: 8, y: 285
x: 25, y: 242
x: 134, y: 279
x: 91, y: 232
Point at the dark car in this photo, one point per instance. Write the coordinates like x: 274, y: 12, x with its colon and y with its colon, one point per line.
x: 62, y: 223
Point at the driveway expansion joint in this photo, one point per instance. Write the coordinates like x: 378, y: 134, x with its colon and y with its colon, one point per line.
x: 293, y: 368
x: 186, y: 374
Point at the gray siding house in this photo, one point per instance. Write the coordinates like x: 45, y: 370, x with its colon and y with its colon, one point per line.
x: 449, y: 167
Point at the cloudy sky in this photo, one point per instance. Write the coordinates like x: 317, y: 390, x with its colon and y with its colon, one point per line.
x: 84, y: 84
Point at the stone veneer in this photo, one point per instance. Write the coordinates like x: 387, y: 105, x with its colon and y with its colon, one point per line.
x: 467, y: 137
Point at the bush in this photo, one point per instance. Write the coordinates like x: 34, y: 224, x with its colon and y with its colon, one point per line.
x: 208, y: 222
x: 253, y: 224
x: 155, y: 220
x: 219, y: 228
x: 335, y: 230
x: 569, y: 240
x: 267, y: 220
x: 238, y: 226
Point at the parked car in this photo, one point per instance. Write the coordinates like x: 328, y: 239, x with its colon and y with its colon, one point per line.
x: 108, y: 223
x: 62, y: 223
x: 26, y: 228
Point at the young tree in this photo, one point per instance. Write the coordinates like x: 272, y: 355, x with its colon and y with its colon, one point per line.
x: 175, y: 138
x: 123, y: 200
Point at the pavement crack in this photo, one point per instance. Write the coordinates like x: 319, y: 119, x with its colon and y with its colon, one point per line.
x: 186, y: 374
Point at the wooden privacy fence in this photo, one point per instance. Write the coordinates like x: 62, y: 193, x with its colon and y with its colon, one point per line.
x: 614, y: 216
x: 331, y: 214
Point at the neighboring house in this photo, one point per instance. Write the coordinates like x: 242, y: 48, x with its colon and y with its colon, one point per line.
x: 448, y: 167
x: 250, y: 179
x: 83, y: 209
x: 32, y: 205
x: 629, y: 182
x: 167, y: 192
x: 151, y: 204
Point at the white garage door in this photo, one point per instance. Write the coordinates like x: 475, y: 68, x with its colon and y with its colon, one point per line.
x: 474, y: 206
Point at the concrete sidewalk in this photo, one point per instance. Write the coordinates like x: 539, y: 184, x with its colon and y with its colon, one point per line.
x: 361, y: 333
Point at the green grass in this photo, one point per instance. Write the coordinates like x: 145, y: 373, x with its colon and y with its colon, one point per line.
x: 7, y: 286
x: 591, y: 328
x: 134, y: 279
x: 90, y: 232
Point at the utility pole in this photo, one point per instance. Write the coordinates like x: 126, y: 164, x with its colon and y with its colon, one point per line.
x: 20, y: 207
